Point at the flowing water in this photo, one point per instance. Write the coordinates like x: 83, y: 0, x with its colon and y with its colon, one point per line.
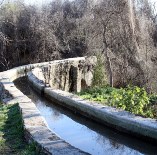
x: 83, y: 133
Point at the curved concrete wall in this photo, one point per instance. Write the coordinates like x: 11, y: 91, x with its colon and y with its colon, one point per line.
x: 121, y: 120
x: 69, y: 75
x: 34, y: 124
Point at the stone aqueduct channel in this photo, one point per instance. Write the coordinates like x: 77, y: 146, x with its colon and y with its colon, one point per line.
x: 54, y: 80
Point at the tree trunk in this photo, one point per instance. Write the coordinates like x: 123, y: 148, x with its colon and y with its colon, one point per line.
x: 105, y: 51
x: 110, y: 68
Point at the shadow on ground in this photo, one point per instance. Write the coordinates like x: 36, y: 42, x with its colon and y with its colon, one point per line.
x: 12, y: 141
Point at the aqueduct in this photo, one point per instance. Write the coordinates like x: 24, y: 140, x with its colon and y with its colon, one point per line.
x: 54, y: 80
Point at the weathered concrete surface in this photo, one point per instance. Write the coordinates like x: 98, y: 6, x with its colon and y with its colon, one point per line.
x: 70, y: 75
x: 34, y: 124
x: 121, y: 120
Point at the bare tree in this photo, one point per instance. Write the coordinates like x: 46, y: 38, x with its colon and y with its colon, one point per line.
x: 123, y: 31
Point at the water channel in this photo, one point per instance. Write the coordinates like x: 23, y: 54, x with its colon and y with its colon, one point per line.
x: 83, y: 133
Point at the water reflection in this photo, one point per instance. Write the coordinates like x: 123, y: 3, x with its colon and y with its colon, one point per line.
x: 84, y: 134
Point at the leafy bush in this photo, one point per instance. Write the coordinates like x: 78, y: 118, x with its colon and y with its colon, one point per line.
x: 153, y: 98
x: 97, y: 94
x: 132, y: 99
x: 99, y: 78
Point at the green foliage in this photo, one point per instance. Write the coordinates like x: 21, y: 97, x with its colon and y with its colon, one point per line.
x: 99, y: 78
x: 132, y: 99
x: 153, y: 98
x: 12, y: 133
x: 97, y: 94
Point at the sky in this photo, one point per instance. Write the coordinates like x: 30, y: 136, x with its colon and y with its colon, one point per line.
x: 40, y: 2
x: 36, y: 2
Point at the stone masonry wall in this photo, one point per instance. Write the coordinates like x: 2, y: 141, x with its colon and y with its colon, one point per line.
x: 69, y: 75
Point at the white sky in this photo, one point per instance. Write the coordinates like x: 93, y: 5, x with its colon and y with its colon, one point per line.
x: 36, y: 2
x: 40, y: 2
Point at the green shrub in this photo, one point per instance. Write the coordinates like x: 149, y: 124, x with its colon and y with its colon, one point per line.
x: 97, y: 94
x: 100, y: 77
x: 132, y: 99
x: 153, y: 98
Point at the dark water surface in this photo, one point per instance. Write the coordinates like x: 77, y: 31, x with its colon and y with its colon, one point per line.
x: 83, y: 133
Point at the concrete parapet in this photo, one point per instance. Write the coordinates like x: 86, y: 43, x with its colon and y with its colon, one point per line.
x: 115, y: 118
x: 34, y: 124
x: 69, y: 75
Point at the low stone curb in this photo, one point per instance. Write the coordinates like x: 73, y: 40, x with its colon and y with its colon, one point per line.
x: 34, y: 124
x: 119, y: 119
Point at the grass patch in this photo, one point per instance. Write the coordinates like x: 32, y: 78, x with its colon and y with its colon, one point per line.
x: 132, y: 99
x: 12, y: 141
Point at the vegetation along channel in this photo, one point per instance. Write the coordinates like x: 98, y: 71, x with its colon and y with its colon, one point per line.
x: 112, y: 46
x: 83, y: 133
